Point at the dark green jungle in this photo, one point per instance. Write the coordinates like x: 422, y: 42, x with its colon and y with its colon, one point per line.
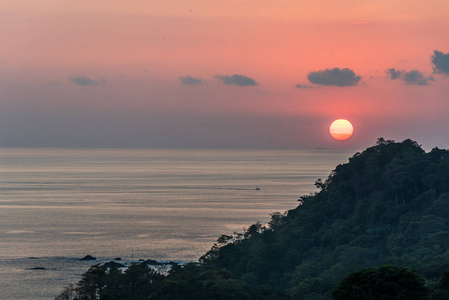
x: 384, y: 212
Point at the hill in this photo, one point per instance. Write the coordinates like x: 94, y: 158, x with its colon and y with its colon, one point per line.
x: 388, y: 205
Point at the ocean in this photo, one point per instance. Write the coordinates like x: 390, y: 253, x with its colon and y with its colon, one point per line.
x: 58, y: 205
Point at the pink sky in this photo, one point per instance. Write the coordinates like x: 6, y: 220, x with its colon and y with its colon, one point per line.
x: 109, y: 73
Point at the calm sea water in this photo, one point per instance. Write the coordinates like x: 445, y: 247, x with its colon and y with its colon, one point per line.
x: 57, y: 205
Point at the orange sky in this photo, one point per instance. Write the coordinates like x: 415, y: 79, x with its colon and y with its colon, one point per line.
x: 108, y: 73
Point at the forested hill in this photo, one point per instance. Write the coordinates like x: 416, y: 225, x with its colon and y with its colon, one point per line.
x: 387, y: 205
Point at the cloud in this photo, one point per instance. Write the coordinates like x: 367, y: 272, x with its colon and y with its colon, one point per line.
x: 394, y: 74
x: 189, y: 80
x: 334, y: 77
x: 440, y: 62
x: 304, y: 86
x: 85, y: 81
x: 236, y: 79
x: 415, y: 77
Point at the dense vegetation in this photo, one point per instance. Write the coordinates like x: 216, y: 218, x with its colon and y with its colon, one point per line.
x: 191, y: 282
x: 388, y: 205
x: 382, y: 283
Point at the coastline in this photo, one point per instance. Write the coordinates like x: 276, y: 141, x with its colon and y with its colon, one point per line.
x: 54, y: 273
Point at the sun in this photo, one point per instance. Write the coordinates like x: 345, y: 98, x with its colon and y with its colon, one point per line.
x: 341, y: 129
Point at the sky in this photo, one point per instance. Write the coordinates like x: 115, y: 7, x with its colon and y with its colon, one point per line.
x: 222, y: 74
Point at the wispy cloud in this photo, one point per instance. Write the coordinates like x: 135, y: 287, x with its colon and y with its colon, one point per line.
x: 334, y: 77
x: 304, y: 86
x: 86, y: 81
x: 236, y: 79
x: 189, y: 80
x: 415, y: 77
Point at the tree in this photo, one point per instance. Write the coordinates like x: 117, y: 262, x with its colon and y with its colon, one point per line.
x: 382, y: 283
x: 69, y: 293
x: 92, y: 282
x: 441, y: 291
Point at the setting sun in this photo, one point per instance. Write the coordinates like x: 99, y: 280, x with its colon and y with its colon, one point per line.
x: 341, y: 129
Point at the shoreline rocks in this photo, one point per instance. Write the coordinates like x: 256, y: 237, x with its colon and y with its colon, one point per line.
x: 88, y: 257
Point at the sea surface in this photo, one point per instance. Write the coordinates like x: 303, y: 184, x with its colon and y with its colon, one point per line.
x: 58, y: 205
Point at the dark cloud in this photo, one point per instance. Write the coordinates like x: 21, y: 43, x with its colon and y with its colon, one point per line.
x: 304, y: 86
x: 440, y: 62
x: 334, y: 77
x: 394, y: 74
x: 85, y: 81
x: 415, y: 77
x: 236, y: 79
x: 189, y: 80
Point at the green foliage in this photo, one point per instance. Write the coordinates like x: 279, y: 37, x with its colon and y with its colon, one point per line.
x: 382, y: 283
x: 441, y: 288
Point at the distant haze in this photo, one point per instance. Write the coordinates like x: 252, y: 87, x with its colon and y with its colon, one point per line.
x: 222, y: 74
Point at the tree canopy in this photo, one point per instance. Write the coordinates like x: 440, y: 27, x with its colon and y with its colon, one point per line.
x: 382, y: 283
